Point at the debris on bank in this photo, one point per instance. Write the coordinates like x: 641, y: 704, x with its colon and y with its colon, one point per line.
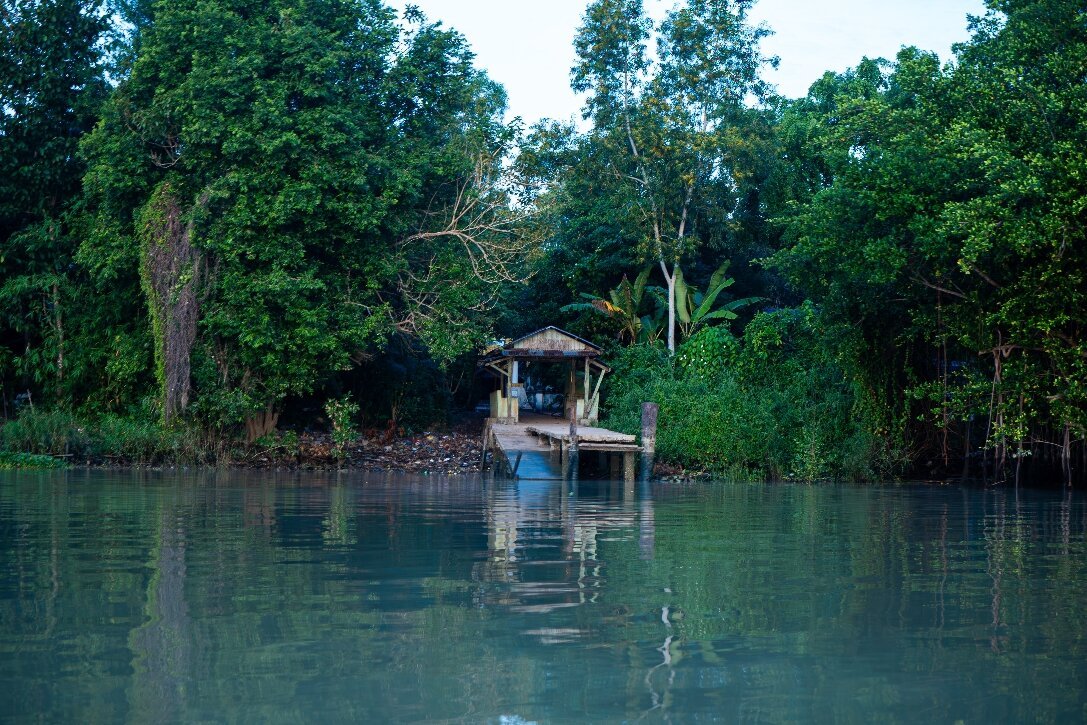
x: 677, y: 474
x: 453, y: 453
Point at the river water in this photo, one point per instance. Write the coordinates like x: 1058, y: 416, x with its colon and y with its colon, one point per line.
x: 228, y: 597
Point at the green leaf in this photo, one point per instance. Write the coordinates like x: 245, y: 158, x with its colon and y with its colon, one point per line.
x: 683, y: 309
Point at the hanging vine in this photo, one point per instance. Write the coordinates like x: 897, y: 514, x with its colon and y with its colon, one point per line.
x: 170, y: 270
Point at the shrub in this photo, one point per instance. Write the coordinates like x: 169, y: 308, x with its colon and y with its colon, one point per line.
x: 45, y: 432
x: 782, y: 401
x: 341, y: 414
x: 135, y: 438
x: 11, y: 461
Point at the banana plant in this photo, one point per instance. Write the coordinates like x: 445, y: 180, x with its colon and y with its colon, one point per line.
x: 693, y: 308
x: 624, y: 304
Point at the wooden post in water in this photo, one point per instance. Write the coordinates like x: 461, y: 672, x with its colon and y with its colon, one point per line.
x: 649, y: 438
x: 570, y: 469
x: 483, y: 453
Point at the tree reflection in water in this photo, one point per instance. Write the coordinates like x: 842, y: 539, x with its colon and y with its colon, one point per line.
x: 309, y: 596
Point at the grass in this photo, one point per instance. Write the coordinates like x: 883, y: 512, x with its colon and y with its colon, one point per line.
x: 10, y: 461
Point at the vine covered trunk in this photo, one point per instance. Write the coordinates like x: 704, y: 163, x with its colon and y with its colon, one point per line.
x: 170, y: 272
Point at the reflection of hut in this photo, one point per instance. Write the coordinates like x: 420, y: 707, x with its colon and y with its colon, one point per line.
x: 550, y: 345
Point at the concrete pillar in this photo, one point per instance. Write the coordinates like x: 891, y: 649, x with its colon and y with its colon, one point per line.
x: 628, y: 467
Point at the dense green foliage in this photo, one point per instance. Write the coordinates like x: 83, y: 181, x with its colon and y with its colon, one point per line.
x: 132, y: 438
x: 14, y: 461
x: 671, y: 141
x: 272, y: 191
x: 51, y: 86
x: 945, y: 217
x: 778, y: 401
x: 223, y: 215
x: 932, y: 214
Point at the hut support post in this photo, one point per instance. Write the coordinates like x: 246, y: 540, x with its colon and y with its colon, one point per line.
x: 571, y: 388
x: 588, y: 382
x: 594, y: 401
x: 515, y: 413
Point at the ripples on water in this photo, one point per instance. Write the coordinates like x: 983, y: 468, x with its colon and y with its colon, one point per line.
x: 229, y: 597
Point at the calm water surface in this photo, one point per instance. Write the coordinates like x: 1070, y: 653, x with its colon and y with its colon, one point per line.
x: 225, y: 597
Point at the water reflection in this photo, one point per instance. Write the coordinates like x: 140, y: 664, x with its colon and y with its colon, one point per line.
x: 219, y: 596
x: 537, y: 526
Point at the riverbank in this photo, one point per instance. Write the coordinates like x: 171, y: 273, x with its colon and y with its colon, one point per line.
x: 453, y: 453
x: 55, y: 438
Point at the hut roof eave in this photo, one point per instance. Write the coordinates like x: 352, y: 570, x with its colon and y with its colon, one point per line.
x: 572, y: 336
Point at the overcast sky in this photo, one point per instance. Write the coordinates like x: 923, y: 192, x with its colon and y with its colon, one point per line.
x: 527, y: 45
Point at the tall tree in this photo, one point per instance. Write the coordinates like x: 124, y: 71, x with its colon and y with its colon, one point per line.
x: 235, y: 174
x: 51, y: 87
x: 285, y: 185
x: 673, y: 127
x: 457, y: 229
x: 951, y: 212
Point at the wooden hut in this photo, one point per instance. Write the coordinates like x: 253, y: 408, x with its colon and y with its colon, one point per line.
x: 552, y: 345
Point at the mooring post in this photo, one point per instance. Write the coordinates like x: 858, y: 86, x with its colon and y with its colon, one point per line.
x: 649, y: 438
x: 572, y: 447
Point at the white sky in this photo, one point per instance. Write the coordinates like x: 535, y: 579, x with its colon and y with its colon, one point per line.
x: 527, y: 45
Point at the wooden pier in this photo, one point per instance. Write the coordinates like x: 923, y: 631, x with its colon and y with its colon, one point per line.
x: 532, y: 445
x: 541, y: 447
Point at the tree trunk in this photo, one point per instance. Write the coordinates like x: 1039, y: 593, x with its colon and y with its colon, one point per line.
x: 261, y: 424
x: 670, y: 279
x: 170, y: 272
x: 1066, y: 455
x: 59, y: 324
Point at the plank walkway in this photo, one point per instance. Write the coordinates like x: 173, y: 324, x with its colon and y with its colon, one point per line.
x: 537, y: 447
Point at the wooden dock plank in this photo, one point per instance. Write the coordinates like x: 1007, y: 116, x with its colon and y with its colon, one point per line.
x: 586, y: 434
x: 610, y: 447
x: 536, y: 461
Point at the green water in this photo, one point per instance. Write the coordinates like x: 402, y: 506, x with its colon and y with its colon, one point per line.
x: 310, y: 598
